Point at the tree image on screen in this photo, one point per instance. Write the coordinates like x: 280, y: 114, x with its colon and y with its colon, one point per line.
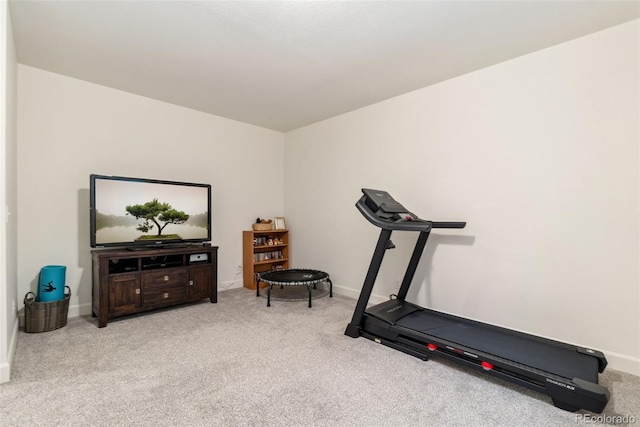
x: 156, y: 214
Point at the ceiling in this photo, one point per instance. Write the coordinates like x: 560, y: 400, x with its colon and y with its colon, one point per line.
x: 286, y: 64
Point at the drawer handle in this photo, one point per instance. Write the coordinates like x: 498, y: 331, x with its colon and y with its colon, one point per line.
x: 166, y: 278
x: 166, y: 294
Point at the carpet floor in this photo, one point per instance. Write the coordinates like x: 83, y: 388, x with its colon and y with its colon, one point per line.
x: 240, y: 363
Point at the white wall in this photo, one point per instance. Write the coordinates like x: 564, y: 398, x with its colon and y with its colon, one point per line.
x: 69, y: 129
x: 539, y: 155
x: 8, y: 195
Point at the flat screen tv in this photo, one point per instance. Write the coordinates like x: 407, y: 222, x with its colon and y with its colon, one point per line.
x: 137, y: 212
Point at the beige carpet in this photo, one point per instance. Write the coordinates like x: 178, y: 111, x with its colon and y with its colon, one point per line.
x: 240, y: 363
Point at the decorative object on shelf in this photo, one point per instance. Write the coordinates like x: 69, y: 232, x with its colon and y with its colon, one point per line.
x: 45, y: 316
x: 262, y: 225
x: 280, y: 223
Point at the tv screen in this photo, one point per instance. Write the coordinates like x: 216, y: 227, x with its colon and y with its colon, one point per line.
x: 138, y: 212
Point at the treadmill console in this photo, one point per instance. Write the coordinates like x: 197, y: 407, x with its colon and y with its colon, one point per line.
x: 385, y: 212
x: 385, y: 206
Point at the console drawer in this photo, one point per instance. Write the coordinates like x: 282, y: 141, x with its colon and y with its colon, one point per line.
x: 168, y: 296
x: 164, y: 278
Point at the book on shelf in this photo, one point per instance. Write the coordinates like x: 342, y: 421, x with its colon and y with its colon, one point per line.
x: 267, y: 256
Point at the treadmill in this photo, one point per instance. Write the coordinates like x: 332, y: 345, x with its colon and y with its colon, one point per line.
x: 565, y: 372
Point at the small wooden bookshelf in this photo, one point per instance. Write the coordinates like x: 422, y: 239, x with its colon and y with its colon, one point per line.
x: 263, y: 251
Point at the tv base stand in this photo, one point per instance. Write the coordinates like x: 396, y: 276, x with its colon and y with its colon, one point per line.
x: 127, y: 282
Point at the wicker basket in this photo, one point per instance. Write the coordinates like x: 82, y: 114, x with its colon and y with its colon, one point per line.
x: 45, y: 316
x: 262, y: 226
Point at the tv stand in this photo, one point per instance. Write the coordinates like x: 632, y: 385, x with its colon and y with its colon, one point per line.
x: 129, y: 281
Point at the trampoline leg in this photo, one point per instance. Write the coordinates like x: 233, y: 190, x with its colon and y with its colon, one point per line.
x: 330, y: 288
x: 309, y: 289
x: 269, y: 296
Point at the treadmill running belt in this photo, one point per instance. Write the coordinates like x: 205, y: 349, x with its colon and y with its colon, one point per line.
x: 559, y: 359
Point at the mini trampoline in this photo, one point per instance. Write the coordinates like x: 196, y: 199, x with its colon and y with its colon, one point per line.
x: 293, y: 277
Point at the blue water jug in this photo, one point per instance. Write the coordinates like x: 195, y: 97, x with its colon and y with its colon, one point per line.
x: 51, y: 283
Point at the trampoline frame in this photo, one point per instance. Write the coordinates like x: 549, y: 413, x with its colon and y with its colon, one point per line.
x: 265, y: 277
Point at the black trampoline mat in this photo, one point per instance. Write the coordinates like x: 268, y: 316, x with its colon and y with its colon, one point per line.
x: 294, y: 276
x: 552, y: 357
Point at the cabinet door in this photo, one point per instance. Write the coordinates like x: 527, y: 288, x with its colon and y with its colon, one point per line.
x: 199, y: 282
x: 124, y: 293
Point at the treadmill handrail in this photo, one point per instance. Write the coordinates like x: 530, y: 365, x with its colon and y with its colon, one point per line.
x: 435, y: 224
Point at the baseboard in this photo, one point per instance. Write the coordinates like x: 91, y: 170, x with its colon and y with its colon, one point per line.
x: 5, y: 367
x: 347, y: 292
x: 622, y: 362
x: 231, y: 284
x: 79, y: 310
